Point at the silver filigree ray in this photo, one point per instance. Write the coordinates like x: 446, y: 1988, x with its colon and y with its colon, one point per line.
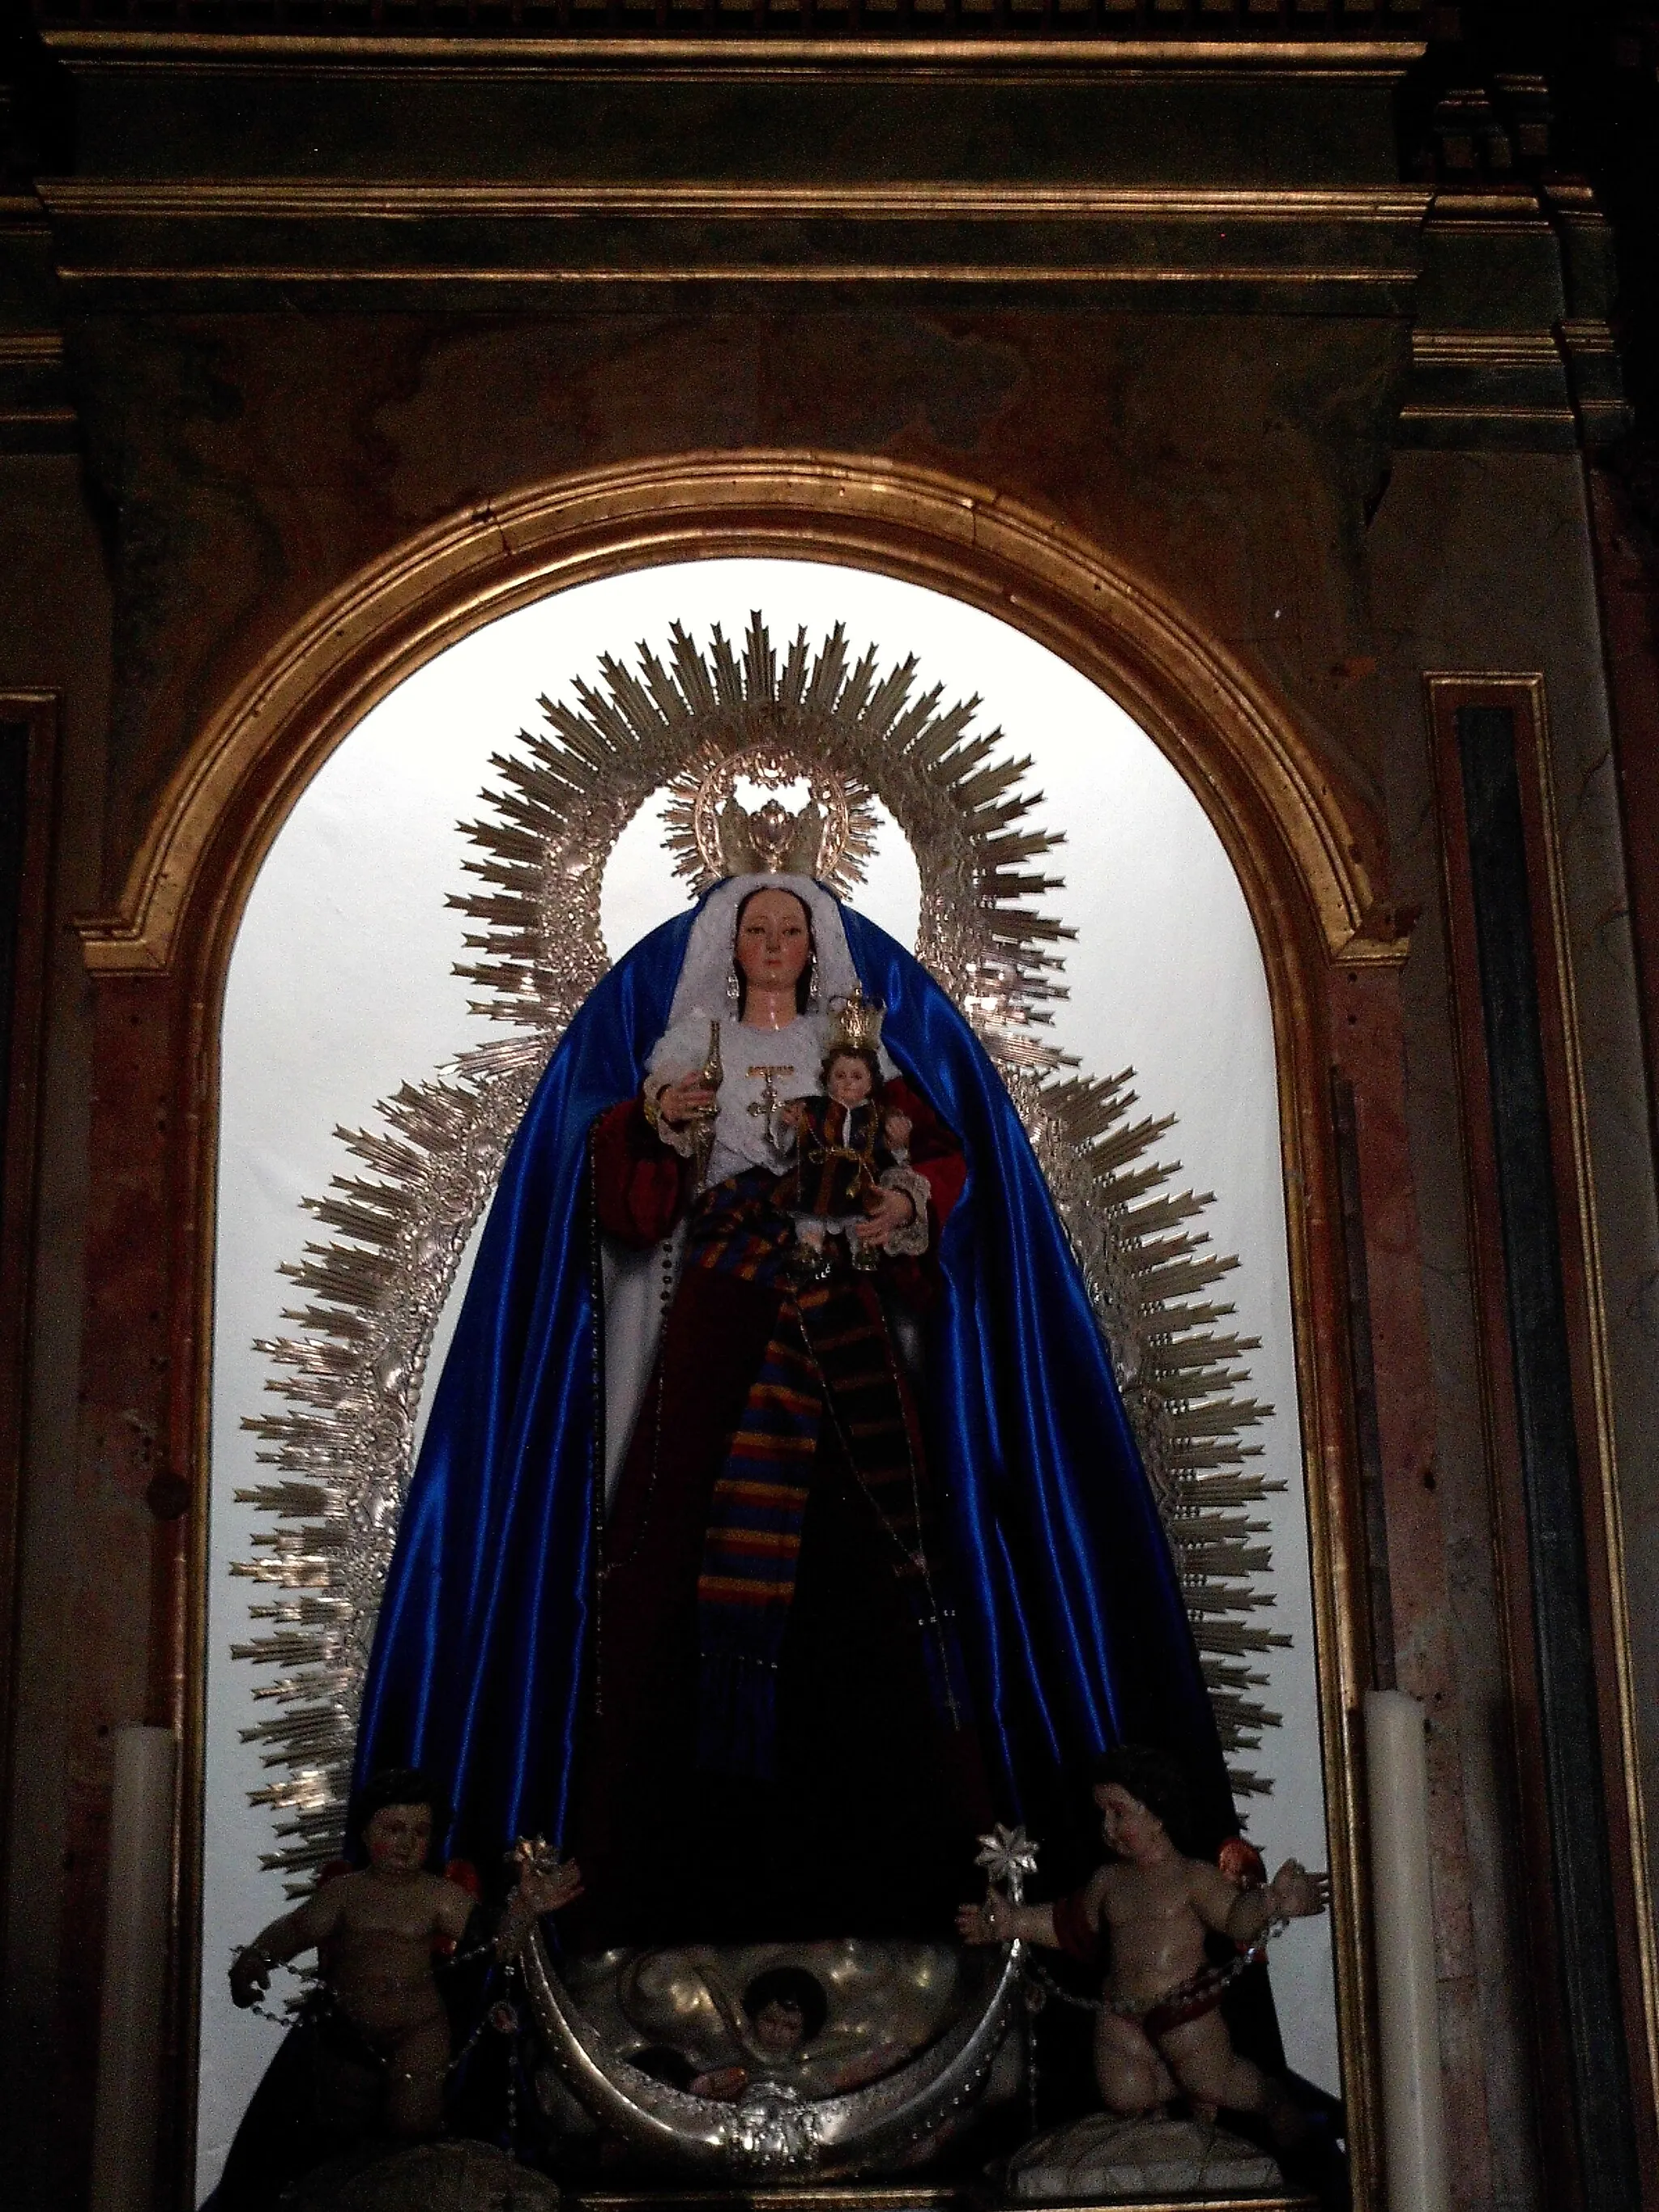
x: 351, y: 1372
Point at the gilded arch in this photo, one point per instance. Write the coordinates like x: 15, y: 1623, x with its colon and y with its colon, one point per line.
x: 1297, y: 849
x: 1235, y: 743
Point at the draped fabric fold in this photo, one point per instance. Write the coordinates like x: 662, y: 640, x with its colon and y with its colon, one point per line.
x: 477, y: 1669
x: 1069, y: 1610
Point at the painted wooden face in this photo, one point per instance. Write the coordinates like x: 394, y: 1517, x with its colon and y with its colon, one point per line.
x: 774, y: 946
x: 780, y: 2026
x: 398, y: 1836
x: 849, y: 1080
x: 1129, y: 1827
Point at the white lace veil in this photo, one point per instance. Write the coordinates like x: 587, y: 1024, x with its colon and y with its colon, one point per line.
x: 701, y: 990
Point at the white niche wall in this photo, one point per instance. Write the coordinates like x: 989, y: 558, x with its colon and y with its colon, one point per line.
x: 341, y: 989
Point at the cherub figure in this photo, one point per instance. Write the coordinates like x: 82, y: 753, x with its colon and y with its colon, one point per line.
x: 1160, y: 2034
x: 847, y: 1148
x: 376, y: 1930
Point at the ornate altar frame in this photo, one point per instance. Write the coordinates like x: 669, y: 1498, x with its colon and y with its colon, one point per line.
x: 1298, y: 846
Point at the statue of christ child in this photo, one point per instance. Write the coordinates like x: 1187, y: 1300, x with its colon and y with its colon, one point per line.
x: 847, y: 1148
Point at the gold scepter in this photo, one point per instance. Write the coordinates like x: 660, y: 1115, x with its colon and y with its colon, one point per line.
x: 702, y: 1138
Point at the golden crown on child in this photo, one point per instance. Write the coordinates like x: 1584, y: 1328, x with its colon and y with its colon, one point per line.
x: 857, y: 1022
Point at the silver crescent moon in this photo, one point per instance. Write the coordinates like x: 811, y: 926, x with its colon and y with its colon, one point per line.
x: 772, y: 2127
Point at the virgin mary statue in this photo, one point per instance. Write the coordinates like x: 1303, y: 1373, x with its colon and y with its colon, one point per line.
x: 764, y: 1584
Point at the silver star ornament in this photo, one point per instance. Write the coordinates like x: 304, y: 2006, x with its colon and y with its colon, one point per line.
x: 1007, y: 1855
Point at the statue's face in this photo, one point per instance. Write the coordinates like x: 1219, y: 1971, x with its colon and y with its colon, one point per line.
x: 849, y: 1081
x: 780, y: 2026
x: 773, y: 945
x: 1130, y: 1828
x: 398, y: 1836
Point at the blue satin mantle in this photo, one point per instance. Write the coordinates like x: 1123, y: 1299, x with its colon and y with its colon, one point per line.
x: 1071, y: 1615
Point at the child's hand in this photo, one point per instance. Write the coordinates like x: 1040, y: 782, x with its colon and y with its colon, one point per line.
x: 549, y: 1893
x: 723, y: 2084
x: 897, y: 1130
x: 250, y: 1977
x: 990, y: 1923
x: 537, y: 1890
x: 1298, y: 1894
x: 792, y: 1113
x: 884, y: 1211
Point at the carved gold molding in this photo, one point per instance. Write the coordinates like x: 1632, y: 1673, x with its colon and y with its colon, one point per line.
x: 1473, y: 411
x: 710, y: 59
x: 1489, y: 214
x: 542, y: 275
x: 1587, y: 334
x: 1297, y: 849
x: 269, y: 738
x: 1283, y: 239
x: 1452, y: 348
x: 282, y: 198
x: 30, y: 349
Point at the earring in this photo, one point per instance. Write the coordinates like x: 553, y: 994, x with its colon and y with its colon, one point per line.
x: 733, y: 991
x: 812, y: 984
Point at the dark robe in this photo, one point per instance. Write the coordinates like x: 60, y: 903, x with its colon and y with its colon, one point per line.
x: 1068, y: 1606
x: 868, y: 1824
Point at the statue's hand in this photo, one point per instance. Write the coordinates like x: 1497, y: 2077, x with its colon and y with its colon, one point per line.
x: 897, y: 1130
x: 549, y: 1893
x: 1298, y: 1894
x: 990, y: 1923
x: 888, y: 1210
x: 250, y: 1977
x: 537, y: 1890
x: 724, y: 2084
x: 690, y: 1099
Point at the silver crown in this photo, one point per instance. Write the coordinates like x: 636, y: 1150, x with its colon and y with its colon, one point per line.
x: 714, y: 834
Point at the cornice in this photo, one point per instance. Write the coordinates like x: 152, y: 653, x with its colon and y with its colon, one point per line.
x: 284, y: 198
x: 1471, y: 213
x: 968, y: 56
x: 1289, y: 243
x: 1588, y: 335
x: 30, y: 349
x: 276, y: 197
x: 1493, y: 416
x: 540, y: 276
x: 1456, y: 349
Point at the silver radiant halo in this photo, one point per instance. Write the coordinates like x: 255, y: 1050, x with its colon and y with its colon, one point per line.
x: 372, y: 1288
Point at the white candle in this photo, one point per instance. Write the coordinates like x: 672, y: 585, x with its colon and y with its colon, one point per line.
x: 134, y: 1971
x: 1402, y: 1909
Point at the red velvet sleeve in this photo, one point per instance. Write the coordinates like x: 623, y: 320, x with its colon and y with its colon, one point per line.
x: 639, y: 1184
x: 935, y: 1152
x: 1074, y: 1932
